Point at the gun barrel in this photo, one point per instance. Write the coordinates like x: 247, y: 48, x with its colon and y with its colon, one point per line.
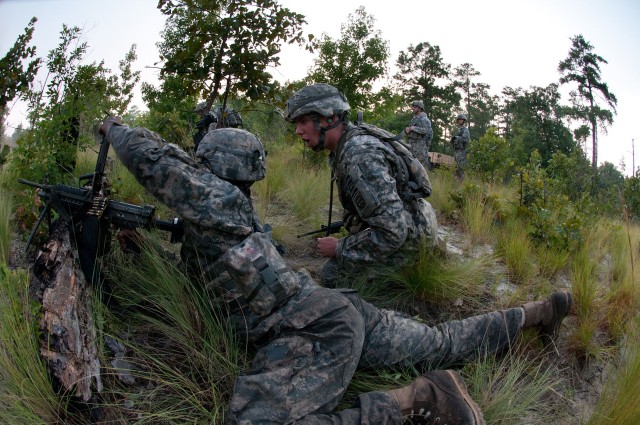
x: 32, y: 184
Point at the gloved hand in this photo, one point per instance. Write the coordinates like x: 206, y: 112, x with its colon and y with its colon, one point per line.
x: 107, y: 123
x: 206, y: 121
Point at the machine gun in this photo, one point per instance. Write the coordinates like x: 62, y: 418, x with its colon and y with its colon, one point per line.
x: 327, y: 230
x: 72, y: 202
x: 90, y: 215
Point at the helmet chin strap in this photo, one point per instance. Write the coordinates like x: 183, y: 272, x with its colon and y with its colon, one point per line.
x: 323, y: 130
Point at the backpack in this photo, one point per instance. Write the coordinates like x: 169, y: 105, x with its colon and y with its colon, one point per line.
x: 413, y: 180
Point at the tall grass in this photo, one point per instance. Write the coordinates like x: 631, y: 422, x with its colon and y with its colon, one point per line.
x: 619, y: 402
x: 513, y: 389
x: 307, y: 194
x: 6, y: 230
x: 586, y: 295
x: 514, y: 246
x: 622, y: 300
x: 181, y: 346
x: 477, y: 218
x: 26, y: 392
x: 443, y: 183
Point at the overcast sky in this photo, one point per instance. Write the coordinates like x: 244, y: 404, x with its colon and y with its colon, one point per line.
x: 515, y: 43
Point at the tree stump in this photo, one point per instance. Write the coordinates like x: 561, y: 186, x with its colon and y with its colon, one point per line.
x: 68, y: 340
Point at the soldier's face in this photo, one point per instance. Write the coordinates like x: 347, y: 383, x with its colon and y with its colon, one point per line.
x: 306, y: 129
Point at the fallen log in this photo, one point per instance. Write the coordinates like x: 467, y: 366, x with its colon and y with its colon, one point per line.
x: 68, y: 332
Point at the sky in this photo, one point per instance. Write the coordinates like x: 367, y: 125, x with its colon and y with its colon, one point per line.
x: 512, y: 43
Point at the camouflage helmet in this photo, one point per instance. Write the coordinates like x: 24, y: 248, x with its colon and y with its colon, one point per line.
x: 200, y: 107
x: 418, y: 103
x: 461, y: 117
x: 322, y: 99
x: 228, y: 117
x: 233, y: 154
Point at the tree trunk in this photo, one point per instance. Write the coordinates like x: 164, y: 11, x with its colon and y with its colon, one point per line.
x: 68, y: 340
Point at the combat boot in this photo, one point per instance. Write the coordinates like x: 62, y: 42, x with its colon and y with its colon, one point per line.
x: 437, y: 397
x: 548, y: 314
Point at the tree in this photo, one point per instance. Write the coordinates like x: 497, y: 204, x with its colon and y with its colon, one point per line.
x: 215, y: 50
x: 582, y: 67
x: 353, y: 62
x: 64, y: 110
x: 422, y: 74
x: 14, y: 78
x: 535, y: 123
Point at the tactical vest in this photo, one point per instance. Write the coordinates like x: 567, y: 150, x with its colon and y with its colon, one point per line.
x: 412, y: 179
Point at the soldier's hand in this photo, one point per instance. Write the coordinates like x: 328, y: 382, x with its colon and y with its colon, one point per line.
x: 107, y: 123
x: 407, y: 130
x: 327, y: 246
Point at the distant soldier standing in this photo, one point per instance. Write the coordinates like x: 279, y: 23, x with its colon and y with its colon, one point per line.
x: 419, y: 133
x: 460, y: 142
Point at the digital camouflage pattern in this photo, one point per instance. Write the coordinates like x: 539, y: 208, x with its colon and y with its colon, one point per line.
x: 420, y: 137
x: 308, y: 347
x: 321, y: 99
x: 233, y: 154
x: 460, y: 142
x: 383, y: 227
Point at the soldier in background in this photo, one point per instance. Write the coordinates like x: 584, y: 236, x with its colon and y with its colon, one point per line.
x: 222, y: 118
x: 419, y: 133
x: 460, y: 142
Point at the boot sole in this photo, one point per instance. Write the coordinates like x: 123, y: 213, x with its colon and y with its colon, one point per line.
x: 462, y: 389
x: 562, y: 302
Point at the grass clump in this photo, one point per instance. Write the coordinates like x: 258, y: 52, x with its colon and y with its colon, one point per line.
x: 440, y: 280
x: 514, y: 246
x: 26, y: 391
x: 509, y: 389
x: 182, y: 348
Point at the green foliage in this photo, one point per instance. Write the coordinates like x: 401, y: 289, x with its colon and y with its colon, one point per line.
x: 558, y: 230
x: 631, y: 196
x: 514, y: 245
x: 353, y: 62
x: 14, y: 78
x: 489, y: 156
x: 221, y: 50
x: 64, y: 111
x: 569, y: 175
x: 534, y: 122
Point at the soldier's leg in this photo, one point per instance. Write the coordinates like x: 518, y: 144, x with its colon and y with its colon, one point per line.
x: 302, y: 375
x: 398, y: 340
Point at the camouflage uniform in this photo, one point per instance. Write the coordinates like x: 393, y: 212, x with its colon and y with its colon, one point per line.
x: 420, y: 137
x: 384, y: 228
x: 309, y: 341
x: 460, y: 142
